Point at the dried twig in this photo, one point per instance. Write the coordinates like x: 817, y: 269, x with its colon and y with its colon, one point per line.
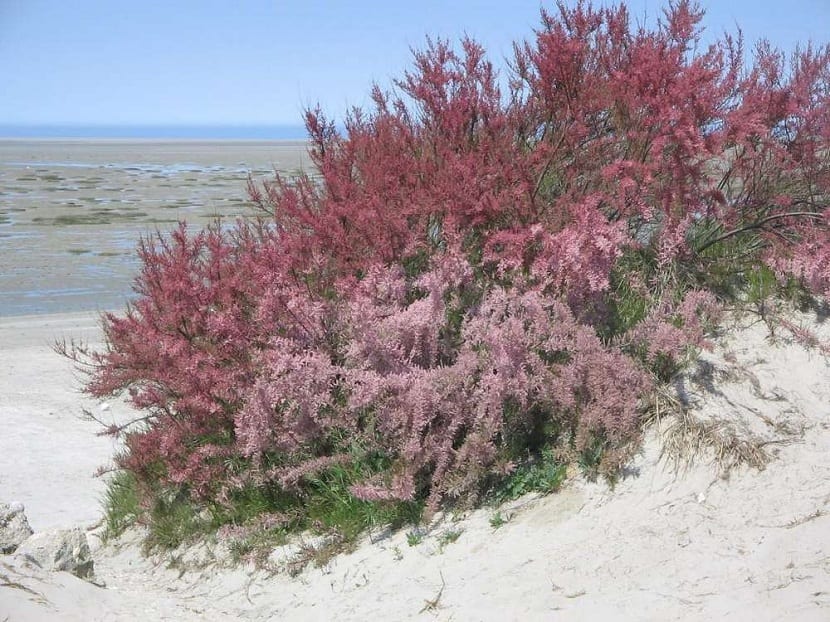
x: 433, y: 603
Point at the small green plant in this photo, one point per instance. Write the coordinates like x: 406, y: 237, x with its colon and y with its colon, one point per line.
x: 414, y: 538
x: 448, y: 537
x: 544, y: 475
x: 628, y: 304
x: 497, y: 520
x: 761, y: 284
x: 590, y: 458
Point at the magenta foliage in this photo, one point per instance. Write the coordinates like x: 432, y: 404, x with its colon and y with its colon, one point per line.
x: 670, y: 330
x: 442, y: 287
x: 439, y: 411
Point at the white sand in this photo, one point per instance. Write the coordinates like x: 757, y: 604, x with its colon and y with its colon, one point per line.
x: 48, y: 452
x: 661, y: 546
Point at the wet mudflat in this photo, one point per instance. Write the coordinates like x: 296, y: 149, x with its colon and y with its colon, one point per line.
x: 72, y: 211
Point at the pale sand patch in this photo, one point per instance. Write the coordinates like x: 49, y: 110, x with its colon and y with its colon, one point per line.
x: 48, y: 452
x: 661, y: 546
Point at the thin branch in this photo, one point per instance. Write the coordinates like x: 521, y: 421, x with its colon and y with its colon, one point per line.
x: 758, y: 224
x: 111, y: 429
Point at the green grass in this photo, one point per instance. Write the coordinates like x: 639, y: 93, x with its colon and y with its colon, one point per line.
x: 331, y: 504
x: 323, y: 504
x: 544, y: 475
x: 171, y: 520
x: 174, y: 520
x: 122, y: 507
x: 497, y: 520
x: 448, y: 537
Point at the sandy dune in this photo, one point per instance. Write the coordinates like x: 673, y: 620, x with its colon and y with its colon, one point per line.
x: 663, y: 545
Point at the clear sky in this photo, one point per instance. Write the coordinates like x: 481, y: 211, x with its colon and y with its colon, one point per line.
x: 264, y: 61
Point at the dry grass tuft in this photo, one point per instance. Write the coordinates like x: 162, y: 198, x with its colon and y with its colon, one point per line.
x: 687, y: 438
x: 319, y: 555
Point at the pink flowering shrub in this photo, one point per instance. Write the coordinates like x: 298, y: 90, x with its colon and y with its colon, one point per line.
x: 523, y: 364
x: 473, y: 275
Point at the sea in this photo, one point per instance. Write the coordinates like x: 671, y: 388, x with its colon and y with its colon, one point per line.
x: 75, y: 200
x: 157, y: 131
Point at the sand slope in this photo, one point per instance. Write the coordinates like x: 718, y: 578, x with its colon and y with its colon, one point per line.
x: 663, y: 545
x: 48, y: 452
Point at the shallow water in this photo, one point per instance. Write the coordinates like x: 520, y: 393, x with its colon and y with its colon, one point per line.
x: 72, y: 211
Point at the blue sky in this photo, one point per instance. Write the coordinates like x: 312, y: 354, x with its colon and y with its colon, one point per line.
x: 263, y: 61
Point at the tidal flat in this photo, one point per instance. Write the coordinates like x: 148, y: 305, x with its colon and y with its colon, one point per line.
x: 72, y: 211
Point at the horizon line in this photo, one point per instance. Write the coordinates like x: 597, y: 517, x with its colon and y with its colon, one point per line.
x: 262, y: 131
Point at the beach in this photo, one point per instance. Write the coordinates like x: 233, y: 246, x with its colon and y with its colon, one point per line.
x: 673, y: 539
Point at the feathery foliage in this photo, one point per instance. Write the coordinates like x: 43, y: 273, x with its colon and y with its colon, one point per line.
x: 474, y: 278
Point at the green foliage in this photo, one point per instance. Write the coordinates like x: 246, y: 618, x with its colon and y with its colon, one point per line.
x: 543, y: 475
x: 416, y: 264
x: 329, y: 504
x: 174, y: 520
x: 171, y: 518
x: 122, y: 503
x: 497, y: 520
x: 732, y: 270
x: 725, y: 267
x: 626, y: 303
x: 248, y: 503
x: 761, y: 284
x: 414, y: 538
x: 448, y: 537
x: 590, y: 458
x: 323, y: 503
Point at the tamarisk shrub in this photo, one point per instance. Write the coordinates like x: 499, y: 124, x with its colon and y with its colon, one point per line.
x: 474, y: 274
x: 183, y: 350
